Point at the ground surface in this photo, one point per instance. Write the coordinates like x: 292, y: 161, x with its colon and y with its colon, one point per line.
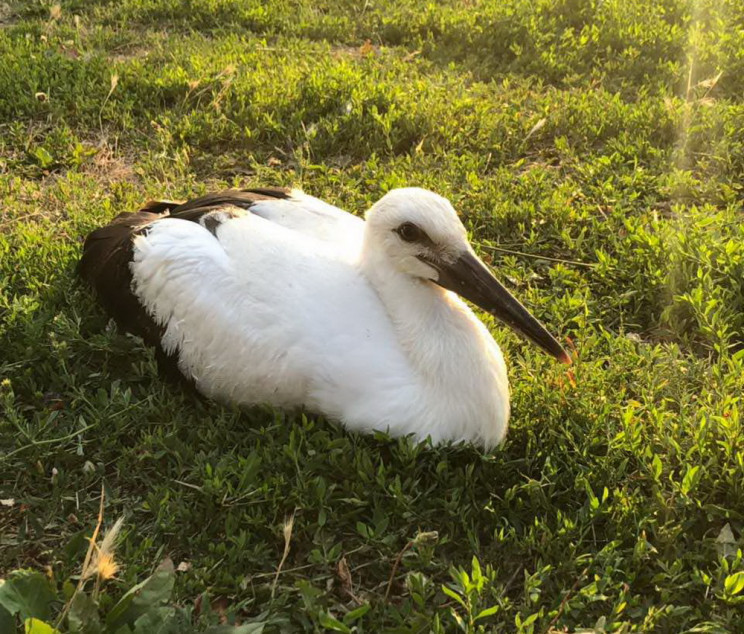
x: 607, y: 135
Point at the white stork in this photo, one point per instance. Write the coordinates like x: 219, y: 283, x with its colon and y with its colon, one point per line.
x: 273, y: 296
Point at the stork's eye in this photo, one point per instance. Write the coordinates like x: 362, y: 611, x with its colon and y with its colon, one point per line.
x: 409, y: 232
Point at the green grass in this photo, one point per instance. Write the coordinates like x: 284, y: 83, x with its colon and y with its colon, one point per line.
x: 608, y: 133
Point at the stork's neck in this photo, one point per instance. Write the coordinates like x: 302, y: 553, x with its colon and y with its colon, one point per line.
x: 449, y: 349
x: 421, y: 315
x: 457, y: 365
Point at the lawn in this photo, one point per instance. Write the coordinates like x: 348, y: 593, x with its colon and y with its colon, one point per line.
x: 595, y: 150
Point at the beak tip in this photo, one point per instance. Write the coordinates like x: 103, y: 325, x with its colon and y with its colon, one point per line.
x: 564, y: 357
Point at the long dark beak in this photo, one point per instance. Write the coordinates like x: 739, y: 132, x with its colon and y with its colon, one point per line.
x: 471, y: 279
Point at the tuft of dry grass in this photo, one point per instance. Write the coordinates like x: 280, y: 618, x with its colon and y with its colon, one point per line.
x: 287, y: 533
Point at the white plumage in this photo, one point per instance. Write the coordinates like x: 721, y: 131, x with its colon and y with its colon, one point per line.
x: 295, y: 302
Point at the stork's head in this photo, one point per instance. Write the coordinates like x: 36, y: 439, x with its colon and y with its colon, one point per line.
x: 421, y: 236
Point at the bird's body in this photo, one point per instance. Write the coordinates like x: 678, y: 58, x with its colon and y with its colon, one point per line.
x: 269, y: 296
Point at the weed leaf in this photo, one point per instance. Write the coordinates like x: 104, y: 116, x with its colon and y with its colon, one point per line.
x: 149, y: 594
x: 83, y: 616
x: 35, y: 626
x: 27, y: 594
